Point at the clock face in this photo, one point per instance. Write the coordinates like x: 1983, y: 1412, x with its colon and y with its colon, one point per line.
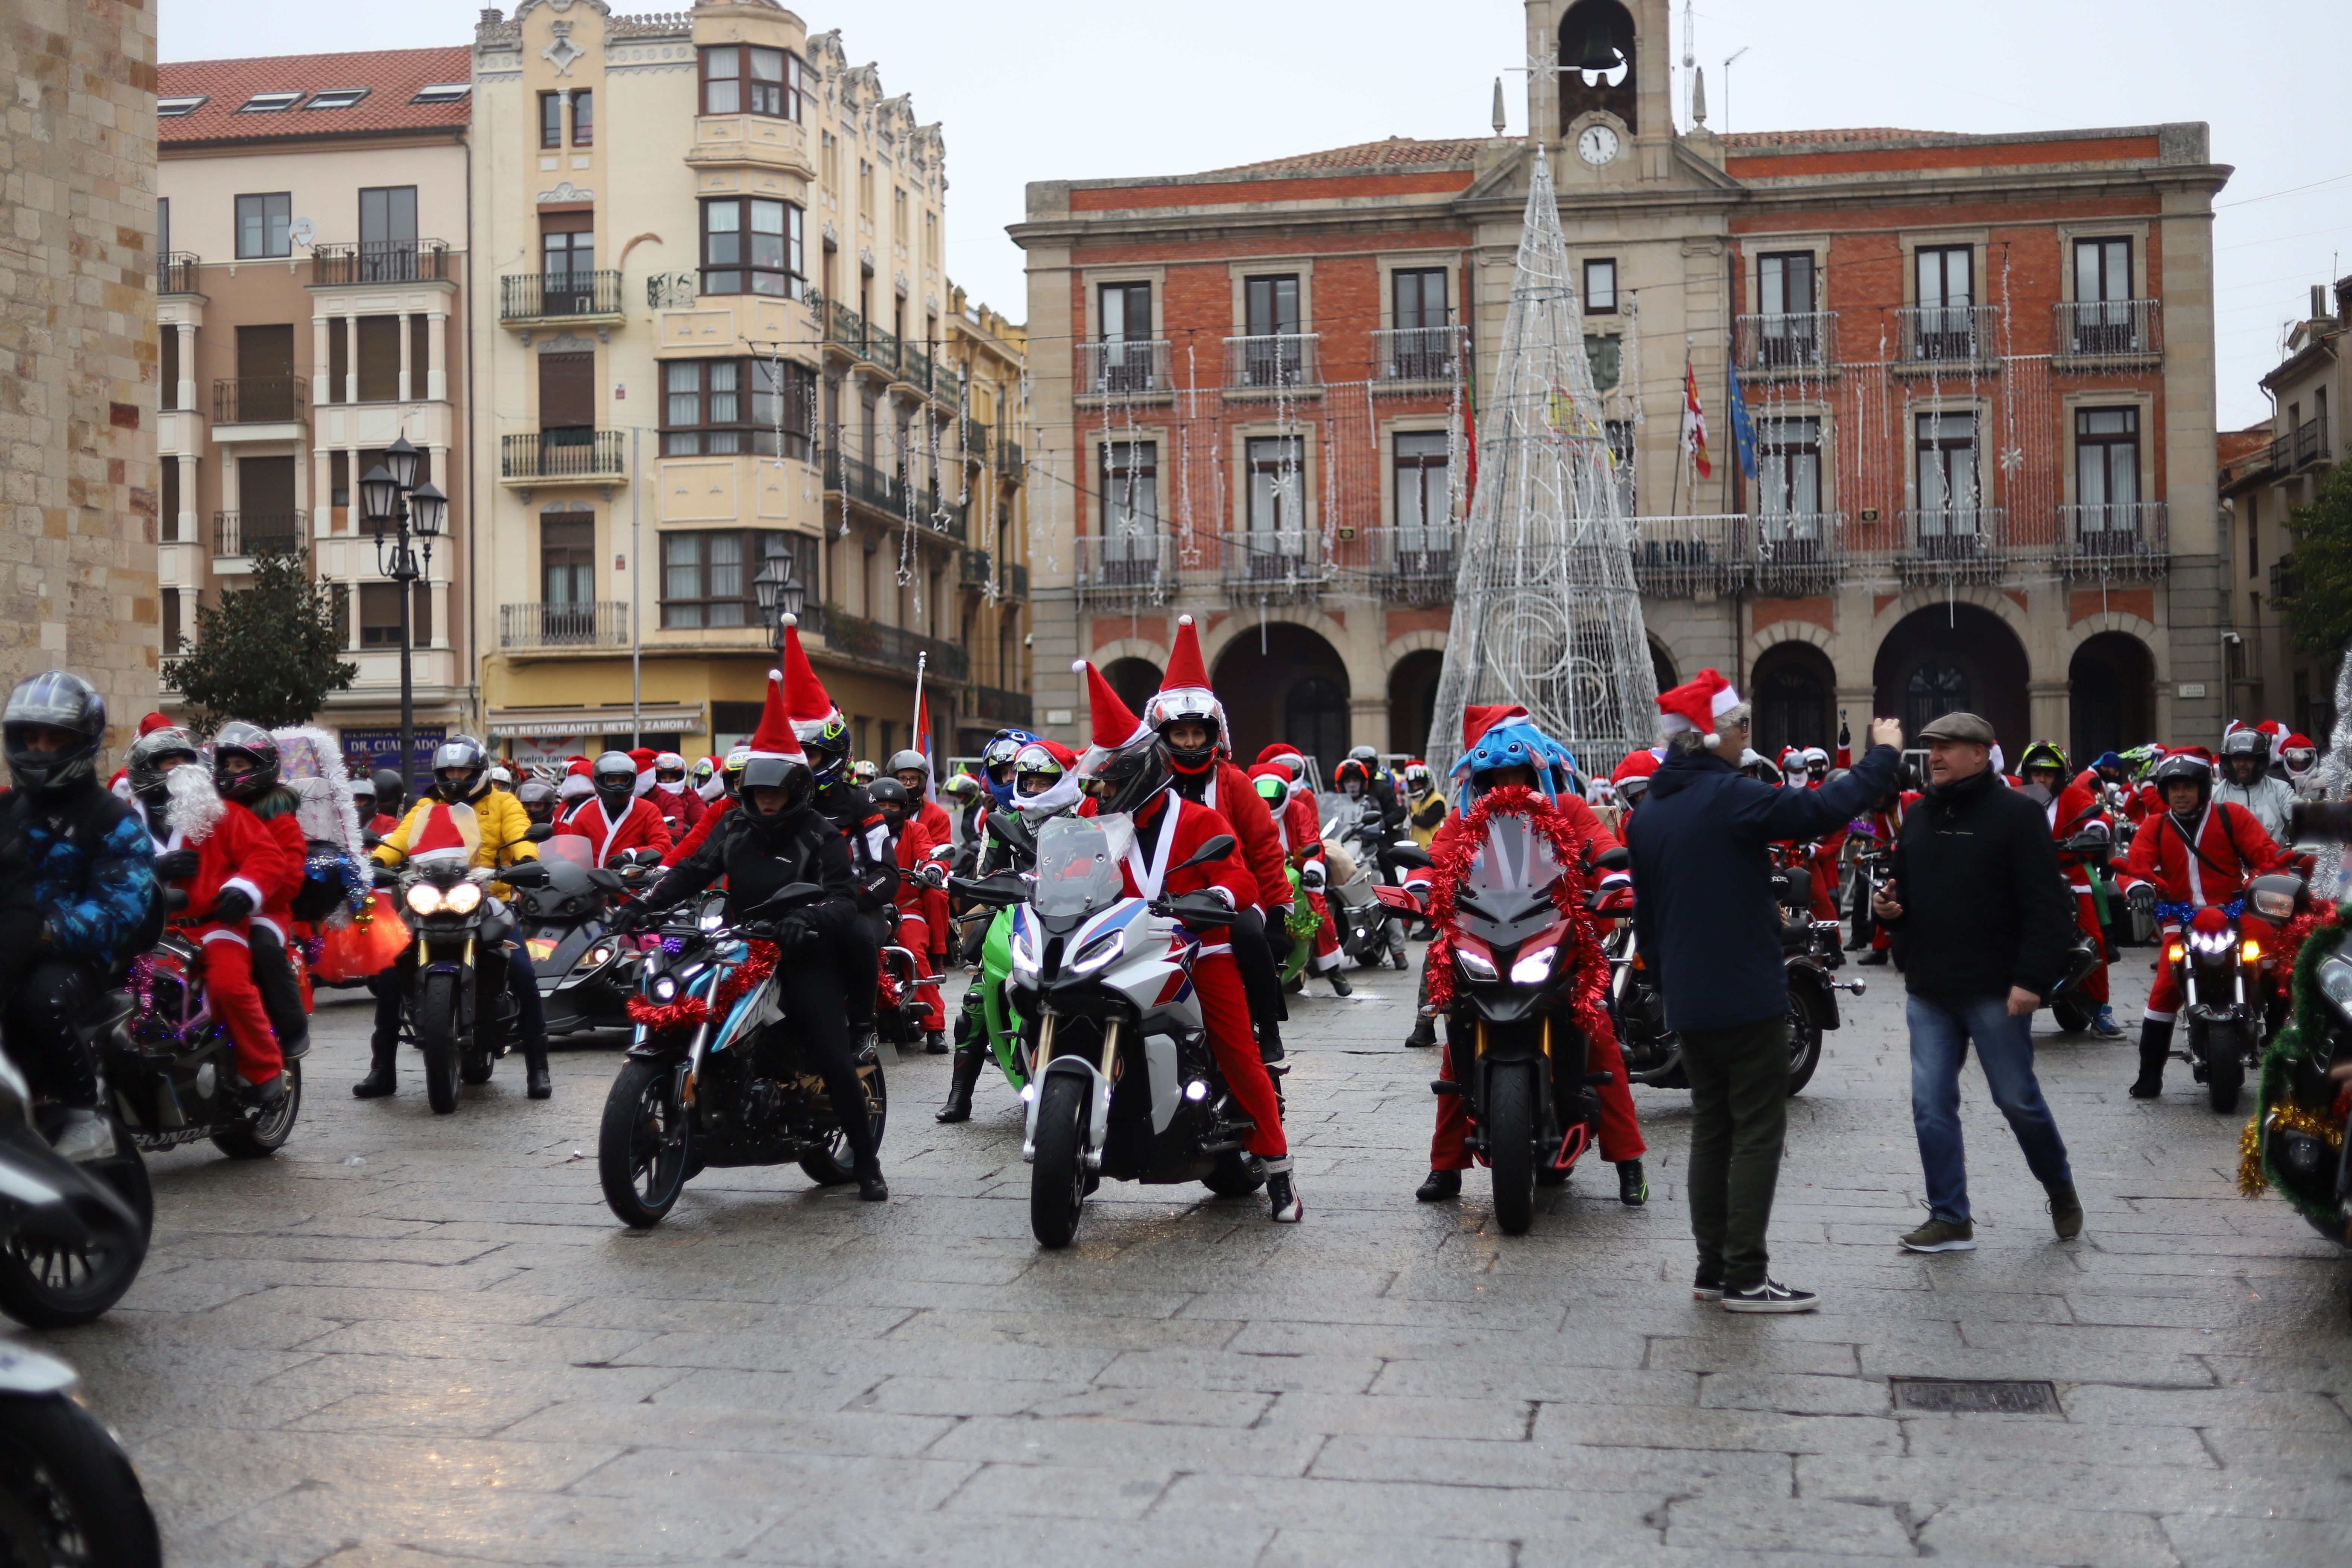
x: 1596, y: 144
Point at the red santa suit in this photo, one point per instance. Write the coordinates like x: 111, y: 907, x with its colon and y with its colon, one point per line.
x: 235, y: 850
x: 1301, y: 828
x: 2230, y: 848
x: 700, y: 831
x: 680, y: 807
x: 2074, y: 809
x: 639, y: 828
x: 917, y: 934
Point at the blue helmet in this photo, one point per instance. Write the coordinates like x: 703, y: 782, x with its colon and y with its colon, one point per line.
x: 998, y: 756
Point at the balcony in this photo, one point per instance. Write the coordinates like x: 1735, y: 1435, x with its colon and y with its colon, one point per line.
x: 2113, y: 541
x: 1012, y: 581
x: 1955, y: 335
x: 998, y: 706
x: 974, y: 435
x: 1124, y: 368
x: 1012, y: 466
x: 591, y: 298
x: 2286, y: 581
x: 1412, y: 565
x: 1799, y: 554
x: 175, y: 272
x: 380, y: 261
x: 260, y: 400
x: 854, y: 637
x: 1272, y: 364
x: 1418, y: 357
x: 889, y: 494
x: 1124, y: 569
x: 562, y: 457
x: 605, y: 625
x: 2102, y: 333
x: 1794, y: 340
x: 850, y: 332
x: 1690, y: 557
x: 1957, y: 545
x: 973, y: 571
x: 1275, y: 565
x: 2305, y: 444
x: 240, y: 533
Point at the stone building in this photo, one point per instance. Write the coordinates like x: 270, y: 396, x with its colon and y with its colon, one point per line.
x: 1980, y: 370
x: 77, y: 325
x: 311, y: 286
x: 711, y: 361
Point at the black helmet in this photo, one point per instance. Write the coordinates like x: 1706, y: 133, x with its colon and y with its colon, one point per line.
x: 145, y: 762
x: 2184, y: 766
x: 892, y: 796
x: 460, y: 752
x: 1367, y: 755
x: 615, y: 778
x: 391, y: 791
x: 909, y: 761
x: 769, y: 771
x: 827, y: 749
x: 539, y: 799
x: 1129, y: 777
x: 54, y: 701
x: 257, y: 746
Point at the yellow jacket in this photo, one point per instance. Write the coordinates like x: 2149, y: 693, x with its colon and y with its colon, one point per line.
x: 1425, y: 815
x: 501, y: 818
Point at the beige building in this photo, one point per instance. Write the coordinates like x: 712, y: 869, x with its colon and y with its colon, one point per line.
x: 77, y: 324
x: 710, y: 349
x: 991, y: 355
x: 312, y: 292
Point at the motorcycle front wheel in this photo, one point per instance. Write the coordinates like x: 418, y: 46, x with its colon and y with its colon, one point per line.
x: 436, y: 1036
x: 69, y: 1496
x: 1057, y: 1181
x: 2225, y: 1071
x: 832, y: 1165
x: 645, y: 1143
x: 1509, y: 1125
x: 2072, y: 1015
x: 44, y: 1284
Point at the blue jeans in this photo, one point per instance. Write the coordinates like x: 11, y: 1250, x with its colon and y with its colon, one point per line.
x: 1941, y: 1032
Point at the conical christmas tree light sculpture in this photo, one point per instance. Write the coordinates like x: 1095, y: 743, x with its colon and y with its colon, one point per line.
x: 1546, y: 612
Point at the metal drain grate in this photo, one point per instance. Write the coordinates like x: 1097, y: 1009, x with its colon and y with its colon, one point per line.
x: 1953, y: 1396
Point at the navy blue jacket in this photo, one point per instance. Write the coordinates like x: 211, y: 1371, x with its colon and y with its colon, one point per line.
x: 1702, y: 905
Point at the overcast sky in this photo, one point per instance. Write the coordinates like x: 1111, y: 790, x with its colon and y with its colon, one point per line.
x: 1077, y: 88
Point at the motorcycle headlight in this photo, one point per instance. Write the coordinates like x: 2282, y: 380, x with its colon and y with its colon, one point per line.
x: 1476, y: 965
x: 1535, y: 968
x: 464, y: 899
x: 595, y: 957
x: 1100, y: 951
x: 2336, y: 984
x: 663, y: 989
x: 1025, y: 951
x: 713, y: 920
x: 424, y: 899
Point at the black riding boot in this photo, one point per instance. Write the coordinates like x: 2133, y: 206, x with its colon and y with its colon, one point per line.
x: 534, y: 1058
x: 970, y: 1058
x: 1424, y: 1032
x: 382, y: 1079
x: 2155, y: 1050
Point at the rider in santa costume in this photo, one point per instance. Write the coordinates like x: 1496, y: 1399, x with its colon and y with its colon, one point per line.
x: 1300, y: 823
x: 1502, y: 747
x: 613, y: 818
x: 680, y: 807
x: 1187, y: 716
x: 1126, y: 772
x: 2070, y: 808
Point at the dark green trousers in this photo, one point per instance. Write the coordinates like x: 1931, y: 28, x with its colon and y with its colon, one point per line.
x: 1739, y: 1116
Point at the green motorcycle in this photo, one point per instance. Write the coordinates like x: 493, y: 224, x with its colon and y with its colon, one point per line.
x: 2296, y: 1141
x: 987, y: 1025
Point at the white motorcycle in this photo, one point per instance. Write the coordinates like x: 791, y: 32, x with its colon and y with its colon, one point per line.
x: 1121, y: 1082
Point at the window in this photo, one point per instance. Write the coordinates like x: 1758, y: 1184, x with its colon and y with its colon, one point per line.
x: 1600, y: 287
x: 1605, y: 353
x: 1788, y: 478
x: 1126, y: 312
x: 583, y: 118
x: 443, y: 92
x: 264, y: 225
x: 751, y: 245
x: 899, y: 214
x: 737, y: 79
x: 931, y: 238
x: 380, y: 616
x: 1130, y: 511
x: 718, y: 407
x: 1947, y: 445
x: 1423, y: 507
x: 388, y: 233
x: 171, y: 607
x: 567, y: 559
x: 337, y: 98
x: 163, y: 227
x: 2107, y: 469
x: 1277, y: 496
x: 1422, y: 349
x: 1935, y: 689
x: 707, y: 579
x: 1271, y: 352
x: 1787, y: 331
x: 1270, y: 305
x: 269, y: 102
x: 173, y: 106
x: 379, y: 366
x: 2253, y: 535
x: 551, y: 119
x: 2102, y: 270
x: 1944, y: 325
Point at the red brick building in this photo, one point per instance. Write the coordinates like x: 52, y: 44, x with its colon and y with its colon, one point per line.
x: 1980, y: 370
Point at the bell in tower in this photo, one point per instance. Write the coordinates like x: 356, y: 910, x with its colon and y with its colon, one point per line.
x: 1597, y: 65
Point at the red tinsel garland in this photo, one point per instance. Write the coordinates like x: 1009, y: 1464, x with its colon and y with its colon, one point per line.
x: 689, y: 1013
x: 2288, y: 945
x: 1453, y: 851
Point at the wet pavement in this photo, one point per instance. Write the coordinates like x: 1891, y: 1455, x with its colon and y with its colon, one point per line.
x: 424, y: 1339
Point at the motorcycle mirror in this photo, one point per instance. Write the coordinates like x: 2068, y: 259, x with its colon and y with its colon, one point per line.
x: 608, y: 880
x: 1616, y: 860
x: 1217, y: 848
x: 529, y: 874
x: 1409, y: 854
x: 539, y: 833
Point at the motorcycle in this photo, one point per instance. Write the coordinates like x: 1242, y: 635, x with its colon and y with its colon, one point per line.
x: 1359, y: 854
x: 171, y: 1066
x: 457, y: 1011
x: 1122, y: 1080
x: 2222, y: 1005
x: 585, y: 973
x: 690, y: 1094
x: 68, y: 1494
x: 2072, y: 1010
x: 72, y: 1236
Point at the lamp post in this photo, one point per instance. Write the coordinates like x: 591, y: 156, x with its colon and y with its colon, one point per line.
x: 777, y: 591
x: 399, y: 510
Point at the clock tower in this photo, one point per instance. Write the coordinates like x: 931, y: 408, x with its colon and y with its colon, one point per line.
x: 1599, y: 88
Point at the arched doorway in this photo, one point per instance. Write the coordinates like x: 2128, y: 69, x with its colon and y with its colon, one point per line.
x: 2111, y: 695
x: 1136, y: 680
x: 1413, y: 700
x: 1661, y: 667
x: 1953, y: 657
x: 1279, y: 681
x: 1794, y: 692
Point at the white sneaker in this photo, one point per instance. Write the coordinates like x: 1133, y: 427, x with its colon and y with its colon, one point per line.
x: 1771, y: 1296
x: 86, y: 1136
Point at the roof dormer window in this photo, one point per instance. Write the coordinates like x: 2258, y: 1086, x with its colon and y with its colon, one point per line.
x: 443, y: 92
x: 269, y: 102
x: 184, y: 103
x: 336, y: 98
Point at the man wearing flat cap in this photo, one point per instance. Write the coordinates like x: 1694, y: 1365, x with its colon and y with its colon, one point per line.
x: 1982, y: 921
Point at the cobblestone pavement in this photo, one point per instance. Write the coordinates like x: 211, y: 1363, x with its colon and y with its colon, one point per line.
x: 420, y: 1339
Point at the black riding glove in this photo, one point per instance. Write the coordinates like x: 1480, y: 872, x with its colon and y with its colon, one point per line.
x: 628, y: 915
x: 177, y: 864
x: 234, y: 904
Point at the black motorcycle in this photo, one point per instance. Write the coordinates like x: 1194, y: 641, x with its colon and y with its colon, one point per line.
x: 171, y: 1066
x: 72, y: 1235
x: 457, y: 1011
x: 692, y: 1094
x: 68, y: 1495
x: 586, y: 974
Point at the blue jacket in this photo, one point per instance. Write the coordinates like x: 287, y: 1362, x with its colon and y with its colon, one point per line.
x: 1703, y: 909
x: 92, y: 870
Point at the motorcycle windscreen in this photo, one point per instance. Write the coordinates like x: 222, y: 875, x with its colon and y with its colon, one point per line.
x: 567, y: 849
x: 1508, y: 889
x: 1076, y: 871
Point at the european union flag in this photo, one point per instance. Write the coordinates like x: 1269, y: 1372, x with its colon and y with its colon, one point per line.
x: 1743, y: 429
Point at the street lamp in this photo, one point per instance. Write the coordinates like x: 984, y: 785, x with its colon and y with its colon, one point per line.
x: 397, y: 509
x: 777, y: 591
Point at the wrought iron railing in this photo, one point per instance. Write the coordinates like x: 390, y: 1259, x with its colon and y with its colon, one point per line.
x: 1787, y: 339
x: 1418, y: 355
x: 1275, y: 565
x: 1270, y: 361
x: 1680, y: 557
x: 561, y: 454
x: 1011, y: 464
x: 1953, y: 544
x: 975, y: 439
x: 1946, y: 334
x: 175, y: 271
x: 604, y: 623
x: 259, y: 399
x: 973, y: 571
x: 2306, y: 443
x: 2115, y: 539
x: 1414, y: 564
x: 1011, y: 581
x: 381, y: 261
x: 995, y: 703
x: 2107, y: 328
x: 888, y: 492
x: 854, y: 637
x: 1125, y: 367
x: 1122, y: 568
x: 242, y: 532
x: 1798, y: 553
x: 557, y: 296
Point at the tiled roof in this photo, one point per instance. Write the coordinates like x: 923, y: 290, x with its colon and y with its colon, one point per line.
x: 1396, y: 152
x: 1750, y: 139
x: 391, y: 77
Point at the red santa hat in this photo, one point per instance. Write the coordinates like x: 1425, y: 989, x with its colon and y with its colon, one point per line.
x: 2298, y: 741
x: 1184, y: 689
x: 1480, y: 717
x: 153, y: 723
x: 1639, y: 764
x: 579, y: 779
x: 642, y: 756
x: 807, y: 704
x: 1274, y: 752
x: 777, y: 735
x: 1697, y: 704
x: 1113, y: 726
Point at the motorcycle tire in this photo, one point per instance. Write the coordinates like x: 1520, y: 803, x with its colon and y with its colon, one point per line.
x: 436, y: 1036
x: 1509, y: 1126
x: 67, y: 1492
x: 2225, y: 1075
x: 2070, y: 1015
x: 44, y: 1287
x: 834, y: 1165
x: 645, y: 1143
x: 1236, y: 1175
x: 1804, y: 1044
x: 259, y: 1137
x: 1057, y: 1181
